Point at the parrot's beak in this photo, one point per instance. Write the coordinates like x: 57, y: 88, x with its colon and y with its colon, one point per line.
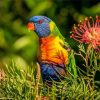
x: 31, y: 26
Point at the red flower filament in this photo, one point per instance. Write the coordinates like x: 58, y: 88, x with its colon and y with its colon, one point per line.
x: 88, y: 32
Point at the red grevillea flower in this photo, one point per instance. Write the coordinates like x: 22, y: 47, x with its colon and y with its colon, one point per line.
x: 88, y: 32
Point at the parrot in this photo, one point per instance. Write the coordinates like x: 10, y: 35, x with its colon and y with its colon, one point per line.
x: 53, y: 49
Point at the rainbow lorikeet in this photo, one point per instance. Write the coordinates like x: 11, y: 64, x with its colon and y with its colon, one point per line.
x: 53, y: 54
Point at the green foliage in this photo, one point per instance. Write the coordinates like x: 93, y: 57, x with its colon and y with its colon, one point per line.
x: 19, y: 85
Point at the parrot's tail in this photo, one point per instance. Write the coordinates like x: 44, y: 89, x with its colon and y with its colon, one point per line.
x: 72, y: 65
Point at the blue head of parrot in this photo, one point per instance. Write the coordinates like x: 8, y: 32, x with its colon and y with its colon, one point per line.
x: 40, y: 24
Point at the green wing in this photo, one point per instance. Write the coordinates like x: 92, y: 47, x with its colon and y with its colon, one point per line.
x: 71, y: 67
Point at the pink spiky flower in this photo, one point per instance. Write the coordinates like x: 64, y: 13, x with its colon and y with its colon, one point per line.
x: 88, y: 32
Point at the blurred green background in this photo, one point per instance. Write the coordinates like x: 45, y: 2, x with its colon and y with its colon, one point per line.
x: 17, y: 44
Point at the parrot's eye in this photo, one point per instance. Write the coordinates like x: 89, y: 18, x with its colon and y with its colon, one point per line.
x: 40, y: 21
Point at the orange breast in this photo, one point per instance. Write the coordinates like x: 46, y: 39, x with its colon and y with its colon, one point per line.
x: 51, y: 51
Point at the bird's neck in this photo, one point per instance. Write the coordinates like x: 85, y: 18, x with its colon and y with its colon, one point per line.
x: 47, y: 39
